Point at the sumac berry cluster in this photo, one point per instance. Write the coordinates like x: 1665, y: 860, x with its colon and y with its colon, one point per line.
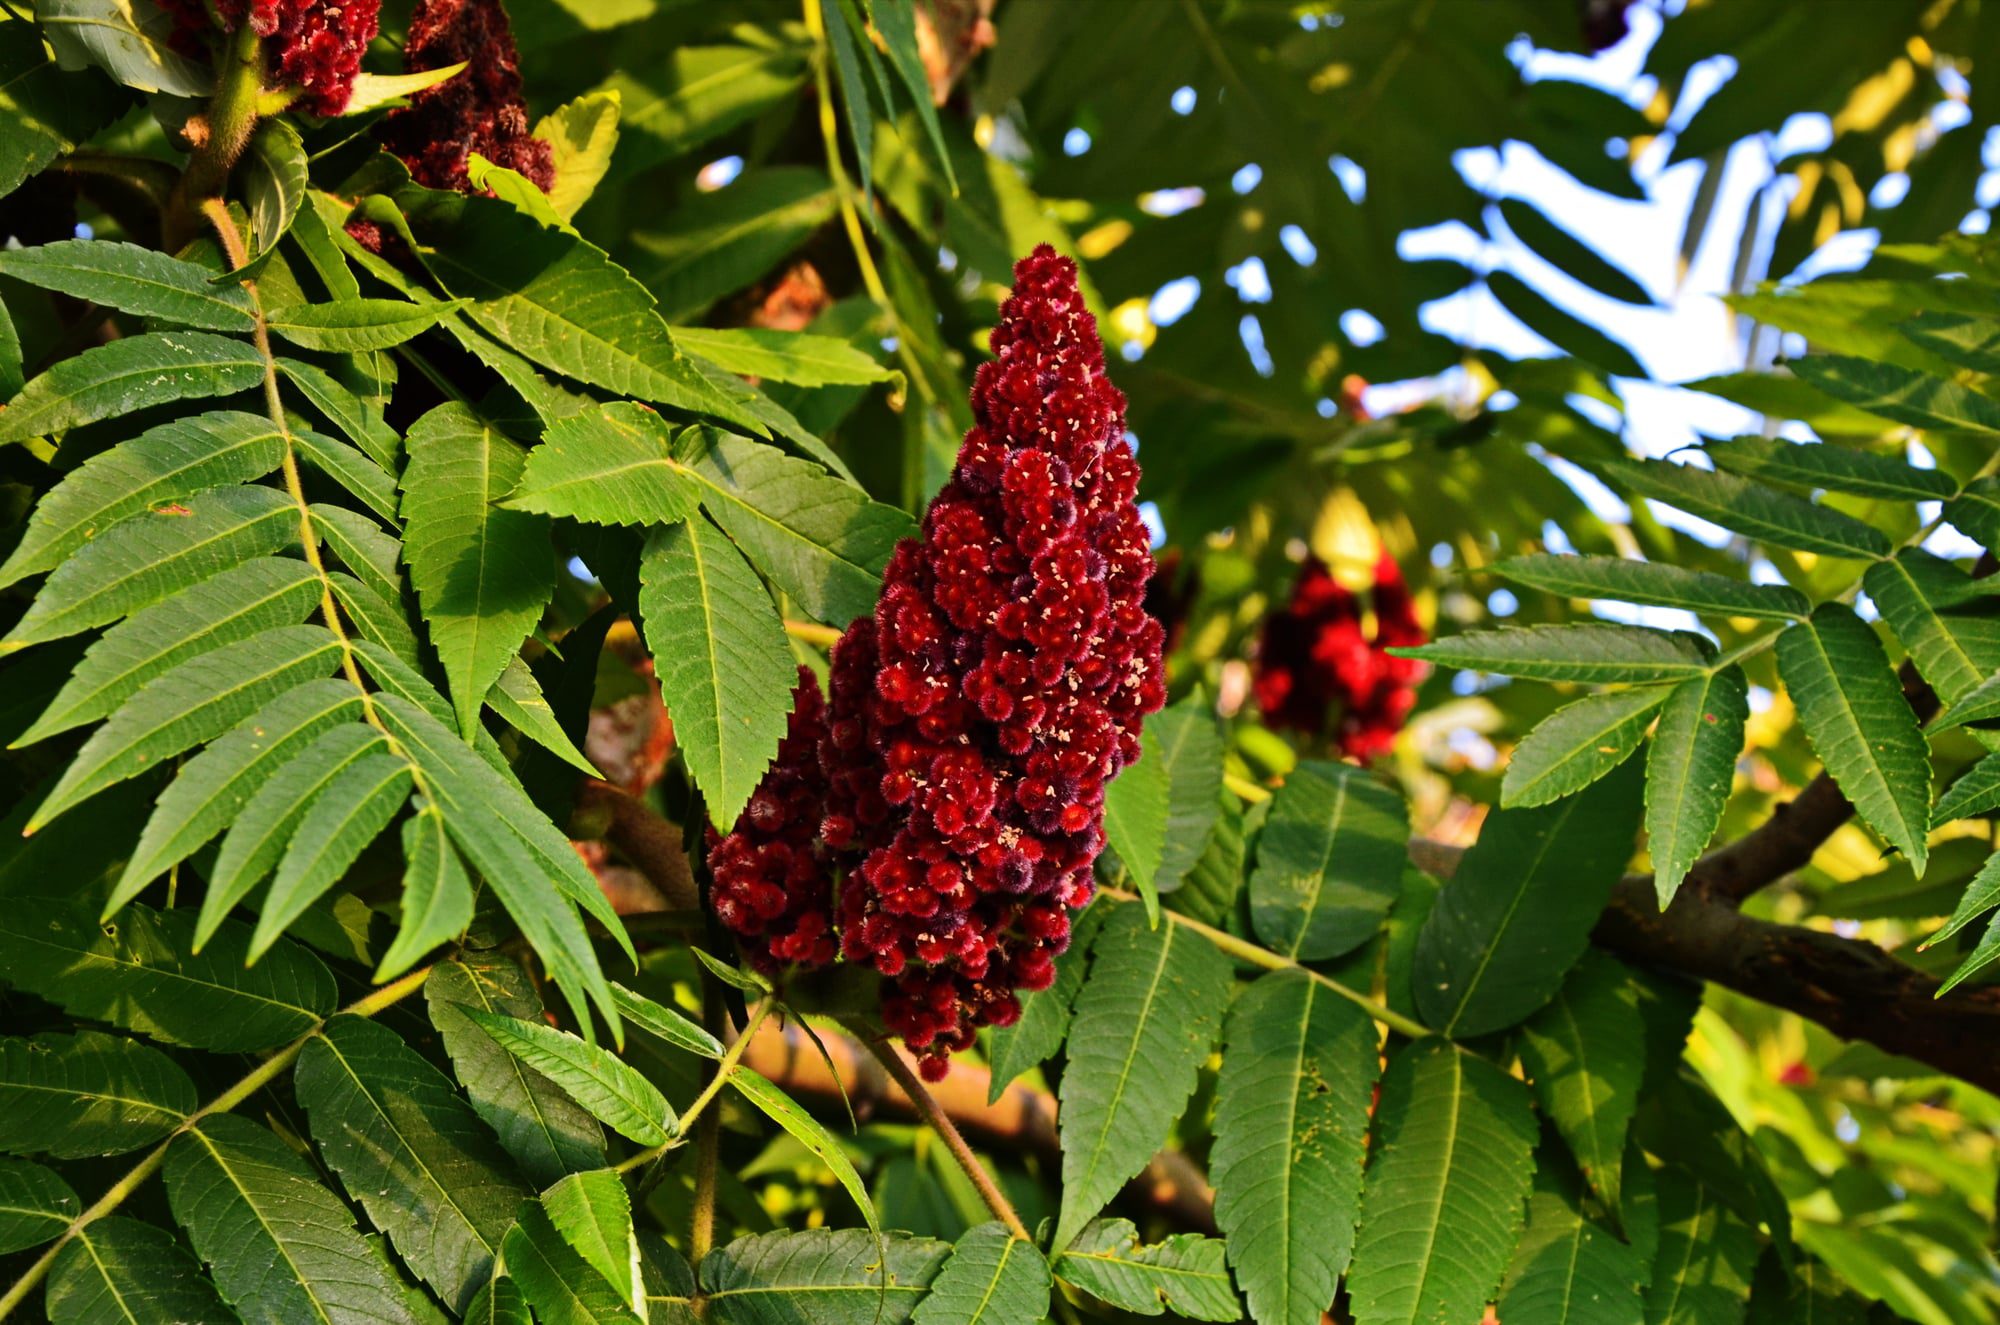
x: 312, y: 45
x: 481, y: 109
x: 1317, y: 665
x: 974, y: 720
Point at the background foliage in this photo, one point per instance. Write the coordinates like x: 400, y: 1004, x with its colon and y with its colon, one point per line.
x: 332, y: 585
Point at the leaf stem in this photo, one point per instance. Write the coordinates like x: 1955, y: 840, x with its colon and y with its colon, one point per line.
x: 226, y: 124
x: 259, y: 1077
x: 813, y: 633
x: 1245, y: 950
x: 730, y: 1058
x: 941, y: 1123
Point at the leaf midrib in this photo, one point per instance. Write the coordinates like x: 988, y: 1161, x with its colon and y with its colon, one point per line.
x: 257, y: 1212
x: 1549, y: 836
x: 1125, y: 1066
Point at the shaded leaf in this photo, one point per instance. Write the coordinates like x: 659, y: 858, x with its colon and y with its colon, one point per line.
x: 72, y: 1096
x: 1183, y: 1274
x: 119, y: 1269
x: 1328, y: 861
x: 1580, y: 743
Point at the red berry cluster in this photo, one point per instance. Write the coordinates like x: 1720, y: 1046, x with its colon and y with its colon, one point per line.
x: 975, y: 719
x: 770, y: 883
x: 481, y: 109
x: 1315, y: 660
x: 312, y: 45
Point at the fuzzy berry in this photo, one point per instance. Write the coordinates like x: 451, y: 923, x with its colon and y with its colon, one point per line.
x: 1315, y: 664
x: 478, y: 110
x: 771, y: 888
x: 975, y: 719
x: 312, y: 45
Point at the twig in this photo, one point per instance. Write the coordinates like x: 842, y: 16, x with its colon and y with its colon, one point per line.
x: 730, y: 1058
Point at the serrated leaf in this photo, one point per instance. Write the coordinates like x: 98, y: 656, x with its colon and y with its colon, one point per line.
x: 582, y: 134
x: 340, y: 823
x: 1748, y: 508
x: 1852, y: 709
x: 1585, y: 1052
x: 193, y: 703
x: 74, y: 1096
x: 500, y: 1302
x: 546, y: 1132
x: 1702, y: 1271
x: 1183, y: 1274
x: 1976, y: 792
x: 48, y: 112
x: 724, y: 668
x: 134, y: 279
x: 1981, y: 895
x: 1144, y: 1021
x: 1518, y: 912
x: 1592, y: 654
x: 344, y: 410
x: 346, y: 465
x: 717, y: 243
x: 350, y: 326
x: 845, y: 39
x: 1568, y: 1271
x: 822, y: 540
x: 1915, y: 593
x: 1576, y: 259
x: 155, y: 554
x: 896, y: 20
x: 1579, y: 743
x: 992, y: 1278
x: 483, y: 574
x: 273, y: 171
x: 280, y: 1246
x: 1328, y: 861
x: 258, y: 838
x: 359, y: 543
x: 1966, y: 339
x: 1135, y: 820
x: 1291, y: 1127
x: 781, y: 1109
x: 1982, y: 956
x: 212, y: 788
x: 662, y: 1021
x: 1045, y: 1013
x: 593, y: 1214
x: 246, y: 601
x: 783, y: 356
x: 558, y: 1283
x: 140, y: 973
x: 1836, y: 468
x: 1654, y: 584
x: 825, y: 1277
x: 126, y: 39
x: 517, y: 697
x: 437, y: 900
x: 612, y: 464
x: 528, y: 864
x: 559, y: 300
x: 410, y: 1152
x: 36, y: 1205
x: 127, y: 375
x: 119, y: 1269
x: 1441, y: 1205
x: 1690, y: 771
x: 1900, y: 393
x: 609, y: 1088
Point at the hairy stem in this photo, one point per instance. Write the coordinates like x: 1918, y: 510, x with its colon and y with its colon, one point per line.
x: 259, y: 1077
x: 941, y: 1123
x: 225, y: 125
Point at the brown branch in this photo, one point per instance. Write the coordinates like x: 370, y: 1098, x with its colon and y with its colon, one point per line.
x: 648, y: 840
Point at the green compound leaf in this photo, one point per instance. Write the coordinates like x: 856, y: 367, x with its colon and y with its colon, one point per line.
x: 1568, y: 1271
x: 557, y: 1282
x: 784, y: 356
x: 1585, y: 1052
x: 1976, y: 792
x: 1183, y: 1274
x: 1291, y: 1127
x: 483, y: 574
x: 121, y: 1270
x: 330, y: 836
x: 605, y: 1085
x: 1579, y: 743
x: 1654, y: 584
x: 719, y: 647
x: 825, y: 1277
x: 1592, y: 654
x: 667, y: 1024
x: 1835, y: 468
x: 1707, y: 1255
x: 1748, y: 508
x: 1328, y: 861
x: 128, y: 375
x: 546, y: 1132
x: 1441, y: 1206
x: 1144, y: 1020
x: 437, y: 901
x: 1899, y: 393
x: 134, y: 279
x: 1916, y: 594
x: 410, y: 1152
x: 781, y: 1109
x: 36, y: 1205
x: 992, y: 1278
x: 354, y: 326
x: 593, y: 1213
x: 1690, y: 769
x: 1518, y: 912
x: 73, y: 1096
x: 280, y: 1246
x: 1852, y: 708
x: 611, y: 464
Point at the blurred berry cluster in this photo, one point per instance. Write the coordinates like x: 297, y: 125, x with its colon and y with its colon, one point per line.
x: 481, y: 109
x: 312, y: 45
x: 1319, y: 668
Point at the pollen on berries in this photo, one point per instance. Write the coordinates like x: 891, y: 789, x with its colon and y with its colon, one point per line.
x: 1316, y: 668
x: 479, y: 110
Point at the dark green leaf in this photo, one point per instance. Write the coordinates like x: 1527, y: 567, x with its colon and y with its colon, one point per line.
x: 1578, y: 260
x: 73, y: 1096
x: 35, y: 1205
x: 612, y: 1090
x: 1328, y: 861
x: 992, y: 1278
x: 824, y: 1277
x: 1594, y: 654
x: 1654, y: 584
x: 1585, y: 1052
x: 1579, y: 743
x: 1183, y: 1274
x: 121, y: 1270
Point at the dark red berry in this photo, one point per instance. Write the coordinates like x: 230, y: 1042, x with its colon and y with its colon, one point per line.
x: 478, y: 110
